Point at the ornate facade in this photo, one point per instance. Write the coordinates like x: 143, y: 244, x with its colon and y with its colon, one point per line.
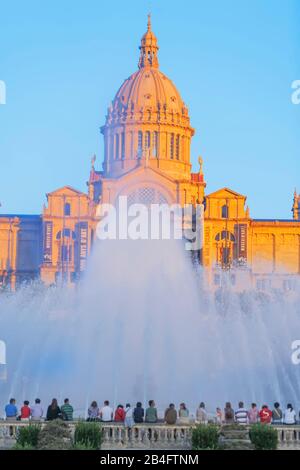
x: 147, y: 137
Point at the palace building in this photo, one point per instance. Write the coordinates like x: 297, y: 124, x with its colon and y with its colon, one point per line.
x: 147, y: 137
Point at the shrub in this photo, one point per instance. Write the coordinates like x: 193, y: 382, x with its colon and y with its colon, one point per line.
x: 80, y: 446
x: 205, y: 437
x: 88, y: 434
x: 24, y: 447
x: 55, y: 436
x: 263, y: 437
x: 28, y: 435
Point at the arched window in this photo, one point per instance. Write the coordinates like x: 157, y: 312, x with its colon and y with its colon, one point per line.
x: 140, y: 144
x: 172, y: 146
x: 66, y: 233
x: 225, y: 235
x: 177, y: 146
x: 67, y: 209
x: 225, y: 212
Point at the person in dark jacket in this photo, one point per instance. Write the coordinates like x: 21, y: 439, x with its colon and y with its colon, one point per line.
x: 228, y: 413
x: 54, y: 411
x: 138, y: 413
x: 171, y: 415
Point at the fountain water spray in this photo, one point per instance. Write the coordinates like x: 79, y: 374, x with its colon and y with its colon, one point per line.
x: 145, y: 324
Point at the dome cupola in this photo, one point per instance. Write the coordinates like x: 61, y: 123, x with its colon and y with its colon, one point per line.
x: 148, y: 48
x: 148, y: 120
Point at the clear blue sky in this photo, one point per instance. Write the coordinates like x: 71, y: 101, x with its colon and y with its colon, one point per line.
x: 232, y: 60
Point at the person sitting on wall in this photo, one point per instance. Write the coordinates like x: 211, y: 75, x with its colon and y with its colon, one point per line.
x: 25, y: 411
x: 129, y: 416
x: 171, y: 415
x: 289, y: 415
x: 151, y: 413
x: 11, y: 411
x: 54, y: 411
x: 241, y: 414
x: 120, y: 414
x: 138, y: 413
x: 93, y: 412
x: 67, y: 410
x: 228, y: 413
x: 265, y: 415
x: 253, y: 414
x: 37, y: 410
x: 201, y: 414
x: 277, y: 414
x: 219, y: 417
x: 183, y: 414
x: 106, y: 413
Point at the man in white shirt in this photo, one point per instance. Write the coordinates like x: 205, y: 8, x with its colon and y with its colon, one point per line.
x: 106, y: 413
x: 37, y: 410
x: 289, y: 415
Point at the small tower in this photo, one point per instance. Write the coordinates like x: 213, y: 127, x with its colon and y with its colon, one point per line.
x: 149, y: 48
x: 296, y: 206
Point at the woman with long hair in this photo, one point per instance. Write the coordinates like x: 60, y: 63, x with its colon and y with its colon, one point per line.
x: 53, y: 411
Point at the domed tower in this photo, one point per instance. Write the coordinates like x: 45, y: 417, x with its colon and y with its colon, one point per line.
x: 148, y: 120
x: 147, y: 137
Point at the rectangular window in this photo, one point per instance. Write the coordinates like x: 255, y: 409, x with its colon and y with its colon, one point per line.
x: 155, y: 144
x: 140, y: 144
x: 177, y: 147
x: 172, y: 146
x: 117, y: 147
x: 182, y: 146
x: 123, y: 145
x: 225, y: 212
x: 147, y: 140
x: 67, y: 209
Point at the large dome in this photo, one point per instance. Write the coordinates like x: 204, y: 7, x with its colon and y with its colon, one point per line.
x: 148, y: 94
x: 150, y: 89
x: 147, y: 122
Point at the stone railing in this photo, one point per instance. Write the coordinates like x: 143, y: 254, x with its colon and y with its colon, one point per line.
x: 116, y: 436
x: 147, y: 436
x: 288, y: 437
x: 143, y: 436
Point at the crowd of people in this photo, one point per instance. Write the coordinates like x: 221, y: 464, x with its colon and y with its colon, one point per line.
x: 131, y: 415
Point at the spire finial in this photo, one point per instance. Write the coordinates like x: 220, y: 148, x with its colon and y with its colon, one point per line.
x: 149, y: 22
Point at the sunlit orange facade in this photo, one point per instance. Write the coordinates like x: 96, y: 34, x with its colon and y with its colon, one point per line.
x: 147, y: 138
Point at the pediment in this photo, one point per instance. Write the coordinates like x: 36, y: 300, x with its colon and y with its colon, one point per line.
x: 226, y: 193
x: 66, y: 191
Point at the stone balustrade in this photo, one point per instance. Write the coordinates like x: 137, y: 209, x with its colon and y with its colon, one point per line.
x: 116, y: 436
x: 147, y: 436
x: 288, y: 437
